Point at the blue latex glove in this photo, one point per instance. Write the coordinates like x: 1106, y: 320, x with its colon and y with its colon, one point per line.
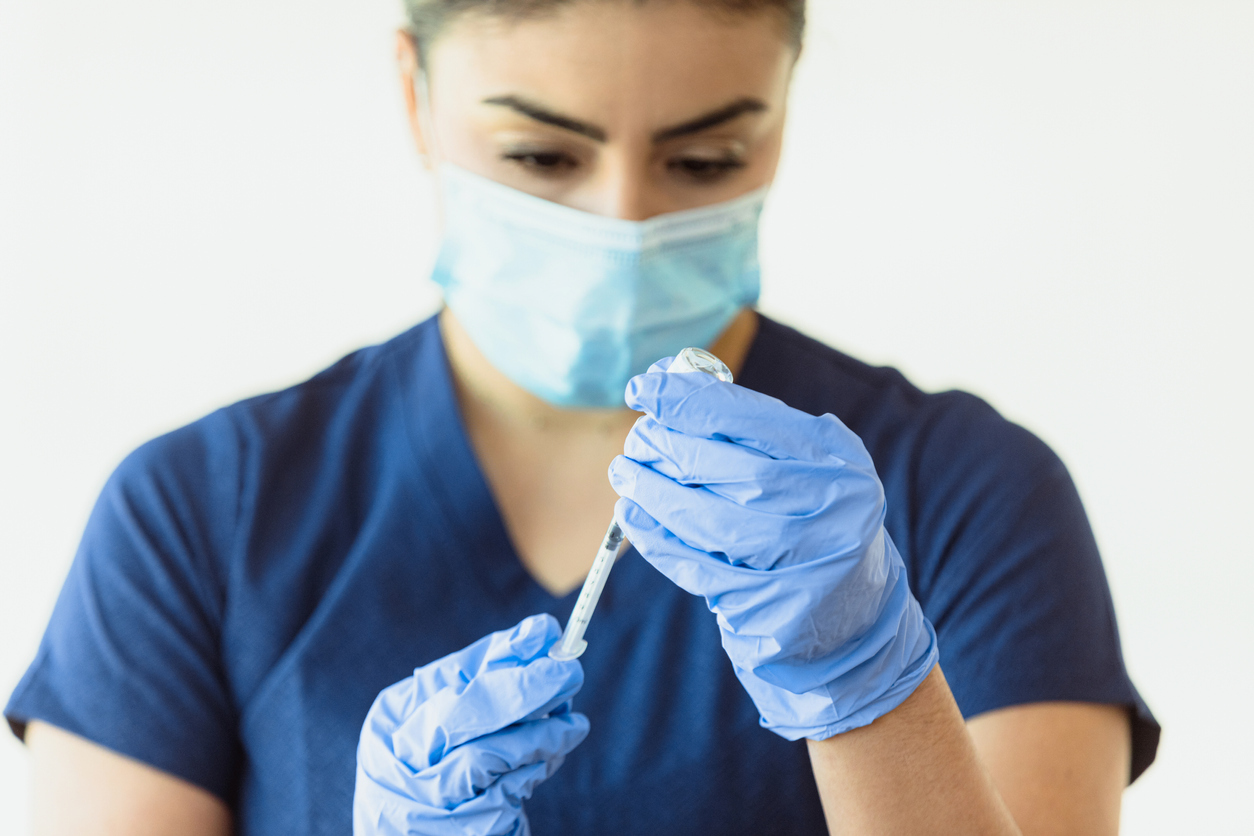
x: 457, y: 747
x: 776, y: 517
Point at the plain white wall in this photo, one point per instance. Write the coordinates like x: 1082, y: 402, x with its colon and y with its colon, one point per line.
x: 1048, y: 203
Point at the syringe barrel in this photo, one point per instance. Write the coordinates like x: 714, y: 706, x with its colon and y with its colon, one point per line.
x: 571, y: 645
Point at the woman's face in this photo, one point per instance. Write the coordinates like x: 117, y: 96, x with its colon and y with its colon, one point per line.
x: 613, y: 108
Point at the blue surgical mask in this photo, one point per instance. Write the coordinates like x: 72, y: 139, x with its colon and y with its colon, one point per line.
x: 570, y: 305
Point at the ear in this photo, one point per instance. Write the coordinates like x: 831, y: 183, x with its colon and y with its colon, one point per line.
x: 407, y: 63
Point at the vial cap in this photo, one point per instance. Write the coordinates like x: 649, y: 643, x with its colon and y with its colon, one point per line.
x: 694, y: 359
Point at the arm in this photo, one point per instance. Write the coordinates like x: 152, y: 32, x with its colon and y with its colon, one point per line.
x: 1060, y: 767
x: 773, y: 516
x: 913, y: 770
x: 1057, y: 768
x: 82, y: 789
x: 132, y: 657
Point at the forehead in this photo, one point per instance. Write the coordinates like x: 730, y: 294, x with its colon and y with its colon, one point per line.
x: 614, y: 62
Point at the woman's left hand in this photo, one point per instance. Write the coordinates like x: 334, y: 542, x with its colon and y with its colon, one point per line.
x: 776, y: 517
x: 460, y: 745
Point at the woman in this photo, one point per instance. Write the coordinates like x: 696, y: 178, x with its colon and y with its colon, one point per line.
x: 250, y: 586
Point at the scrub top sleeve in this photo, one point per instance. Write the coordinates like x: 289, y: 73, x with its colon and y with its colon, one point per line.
x: 1011, y: 578
x: 130, y: 659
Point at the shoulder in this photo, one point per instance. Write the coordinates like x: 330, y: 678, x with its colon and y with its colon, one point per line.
x: 962, y: 483
x: 907, y: 430
x: 814, y: 377
x: 309, y: 412
x: 358, y: 383
x: 203, y: 482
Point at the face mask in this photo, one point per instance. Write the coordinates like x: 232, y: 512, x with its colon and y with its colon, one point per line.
x: 570, y: 305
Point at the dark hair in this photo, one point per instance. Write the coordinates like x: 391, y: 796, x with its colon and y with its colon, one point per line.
x: 428, y: 18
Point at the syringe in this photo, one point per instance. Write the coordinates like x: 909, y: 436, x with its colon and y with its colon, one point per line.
x: 571, y: 645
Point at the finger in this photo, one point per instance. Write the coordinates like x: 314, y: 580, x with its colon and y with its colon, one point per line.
x: 683, y: 565
x: 492, y: 700
x: 751, y: 479
x: 796, y: 516
x: 689, y: 459
x: 726, y: 529
x: 661, y: 365
x: 704, y: 406
x: 525, y: 641
x: 735, y: 593
x: 381, y: 774
x: 501, y: 679
x: 472, y: 768
x: 497, y: 810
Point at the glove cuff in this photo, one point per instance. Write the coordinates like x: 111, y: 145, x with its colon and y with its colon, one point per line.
x: 826, y: 711
x: 859, y: 680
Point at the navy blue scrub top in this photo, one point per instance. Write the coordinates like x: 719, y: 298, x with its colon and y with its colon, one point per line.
x: 249, y: 583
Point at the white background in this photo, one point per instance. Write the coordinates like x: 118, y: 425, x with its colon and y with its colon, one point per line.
x: 1048, y: 203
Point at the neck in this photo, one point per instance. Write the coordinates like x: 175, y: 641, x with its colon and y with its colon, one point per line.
x: 485, y: 394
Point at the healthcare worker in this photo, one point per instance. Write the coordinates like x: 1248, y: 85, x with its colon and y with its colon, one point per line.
x: 848, y: 603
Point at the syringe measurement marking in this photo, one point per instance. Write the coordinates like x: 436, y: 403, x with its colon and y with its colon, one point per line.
x: 609, y: 550
x: 571, y: 643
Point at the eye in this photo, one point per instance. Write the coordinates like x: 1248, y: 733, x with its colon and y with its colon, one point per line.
x: 542, y: 162
x: 704, y: 169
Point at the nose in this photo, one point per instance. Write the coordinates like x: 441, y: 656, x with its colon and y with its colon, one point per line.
x: 624, y: 191
x: 630, y: 202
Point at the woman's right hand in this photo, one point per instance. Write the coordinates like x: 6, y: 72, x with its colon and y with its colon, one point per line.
x: 457, y: 747
x: 776, y: 517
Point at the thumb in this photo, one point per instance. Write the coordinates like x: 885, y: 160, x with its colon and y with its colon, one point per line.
x: 679, y: 562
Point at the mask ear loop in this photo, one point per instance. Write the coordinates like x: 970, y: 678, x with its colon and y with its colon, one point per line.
x: 426, y: 124
x: 431, y: 152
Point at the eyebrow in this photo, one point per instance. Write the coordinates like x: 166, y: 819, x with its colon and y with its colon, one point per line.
x: 692, y: 126
x: 548, y: 117
x: 710, y: 120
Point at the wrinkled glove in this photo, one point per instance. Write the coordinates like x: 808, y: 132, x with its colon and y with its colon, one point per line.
x: 776, y: 517
x: 457, y: 747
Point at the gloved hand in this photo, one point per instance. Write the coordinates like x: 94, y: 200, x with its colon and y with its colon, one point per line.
x: 457, y: 747
x: 776, y: 517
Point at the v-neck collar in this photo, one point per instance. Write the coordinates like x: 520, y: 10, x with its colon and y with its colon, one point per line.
x: 444, y: 453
